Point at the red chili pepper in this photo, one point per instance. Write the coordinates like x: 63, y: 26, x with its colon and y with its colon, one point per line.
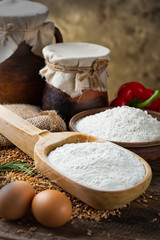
x: 135, y: 94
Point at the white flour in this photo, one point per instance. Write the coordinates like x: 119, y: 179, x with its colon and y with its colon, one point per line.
x: 123, y: 124
x: 103, y: 166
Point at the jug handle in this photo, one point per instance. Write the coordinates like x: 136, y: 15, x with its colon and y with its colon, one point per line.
x: 58, y: 35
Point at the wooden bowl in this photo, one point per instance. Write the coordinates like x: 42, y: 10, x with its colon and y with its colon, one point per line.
x: 150, y: 151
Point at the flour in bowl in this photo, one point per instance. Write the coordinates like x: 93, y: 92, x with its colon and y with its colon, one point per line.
x: 102, y: 166
x: 121, y: 124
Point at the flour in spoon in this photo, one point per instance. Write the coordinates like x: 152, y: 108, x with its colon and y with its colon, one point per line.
x: 102, y: 166
x: 122, y: 124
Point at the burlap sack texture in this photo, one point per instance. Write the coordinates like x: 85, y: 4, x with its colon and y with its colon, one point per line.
x: 48, y: 120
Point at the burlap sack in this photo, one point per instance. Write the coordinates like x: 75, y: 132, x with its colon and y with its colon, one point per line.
x: 48, y: 120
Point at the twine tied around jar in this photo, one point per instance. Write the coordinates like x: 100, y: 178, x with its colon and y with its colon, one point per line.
x: 9, y: 28
x: 93, y: 73
x: 5, y: 31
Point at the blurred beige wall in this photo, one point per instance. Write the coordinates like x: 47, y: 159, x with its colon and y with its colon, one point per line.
x: 129, y: 28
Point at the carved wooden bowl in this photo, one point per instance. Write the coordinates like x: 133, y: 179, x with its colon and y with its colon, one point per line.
x: 150, y: 151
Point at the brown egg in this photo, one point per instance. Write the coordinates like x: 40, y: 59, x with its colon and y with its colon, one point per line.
x: 51, y: 208
x: 15, y: 199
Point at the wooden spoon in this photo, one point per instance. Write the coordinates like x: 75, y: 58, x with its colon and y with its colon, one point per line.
x: 38, y: 143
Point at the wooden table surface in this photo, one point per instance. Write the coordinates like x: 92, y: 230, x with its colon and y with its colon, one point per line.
x: 139, y: 221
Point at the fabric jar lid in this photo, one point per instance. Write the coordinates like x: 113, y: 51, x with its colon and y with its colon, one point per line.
x: 72, y: 52
x: 20, y: 21
x: 73, y: 67
x: 11, y: 10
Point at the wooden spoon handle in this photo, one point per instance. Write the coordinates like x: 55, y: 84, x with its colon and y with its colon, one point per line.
x: 23, y: 134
